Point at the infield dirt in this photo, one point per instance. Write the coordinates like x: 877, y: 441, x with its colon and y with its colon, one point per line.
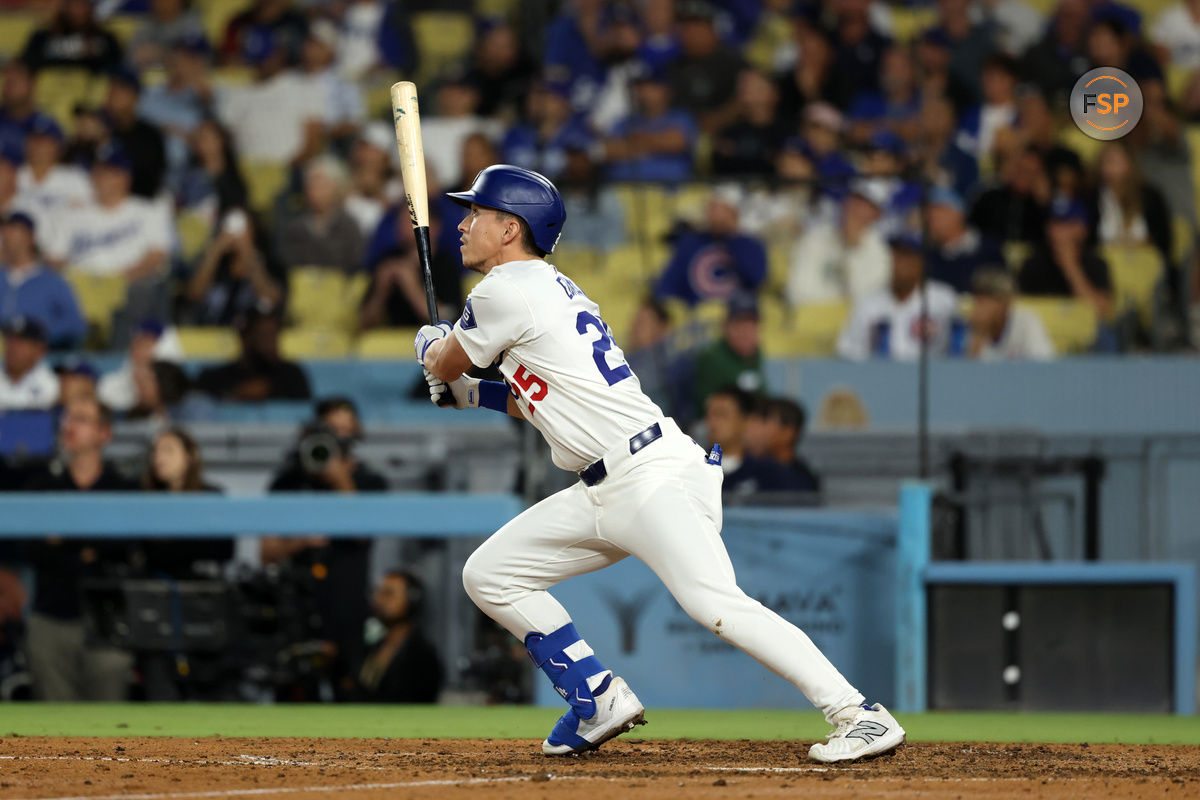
x: 373, y: 769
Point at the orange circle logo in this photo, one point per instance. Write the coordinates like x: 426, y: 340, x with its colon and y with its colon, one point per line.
x: 1106, y: 103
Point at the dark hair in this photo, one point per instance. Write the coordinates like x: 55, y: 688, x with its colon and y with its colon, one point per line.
x: 193, y: 480
x: 337, y: 402
x: 415, y: 589
x: 657, y: 309
x: 788, y: 413
x: 744, y: 399
x: 105, y: 413
x: 1003, y: 62
x: 527, y: 241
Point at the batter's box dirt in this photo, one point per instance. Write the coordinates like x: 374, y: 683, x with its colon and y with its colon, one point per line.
x: 374, y: 769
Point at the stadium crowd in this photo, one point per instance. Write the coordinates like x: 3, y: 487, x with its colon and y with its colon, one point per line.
x: 211, y: 188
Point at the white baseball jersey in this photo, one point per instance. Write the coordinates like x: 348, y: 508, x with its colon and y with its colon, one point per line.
x: 558, y: 357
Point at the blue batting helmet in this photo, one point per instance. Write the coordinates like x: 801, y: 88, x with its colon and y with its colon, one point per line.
x: 522, y: 192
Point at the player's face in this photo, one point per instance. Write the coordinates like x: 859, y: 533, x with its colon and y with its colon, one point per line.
x: 482, y: 234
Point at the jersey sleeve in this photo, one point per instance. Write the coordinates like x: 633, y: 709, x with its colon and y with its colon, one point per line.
x: 495, y: 317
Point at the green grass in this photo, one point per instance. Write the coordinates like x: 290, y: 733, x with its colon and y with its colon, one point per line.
x: 508, y: 722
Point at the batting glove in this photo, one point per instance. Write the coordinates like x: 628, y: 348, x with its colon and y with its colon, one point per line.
x: 427, y: 336
x: 464, y: 390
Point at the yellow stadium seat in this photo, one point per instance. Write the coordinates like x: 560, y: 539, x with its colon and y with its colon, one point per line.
x: 59, y: 89
x: 99, y: 297
x: 123, y: 26
x: 304, y: 343
x: 232, y: 76
x: 647, y: 212
x: 15, y: 31
x: 216, y: 15
x: 443, y: 38
x: 779, y: 264
x: 386, y: 343
x: 264, y: 181
x: 1087, y: 147
x: 209, y: 344
x: 1183, y: 239
x: 627, y: 264
x: 1178, y: 77
x: 496, y: 8
x: 319, y: 297
x: 194, y: 231
x: 814, y: 329
x: 1070, y: 323
x: 1135, y: 272
x: 908, y: 23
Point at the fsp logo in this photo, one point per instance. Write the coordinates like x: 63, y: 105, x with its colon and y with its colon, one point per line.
x: 1106, y: 103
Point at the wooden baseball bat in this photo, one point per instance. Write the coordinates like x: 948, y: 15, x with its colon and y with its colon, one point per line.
x: 407, y: 117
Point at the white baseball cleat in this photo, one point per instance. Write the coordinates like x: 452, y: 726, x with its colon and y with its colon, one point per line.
x: 617, y: 711
x: 862, y: 731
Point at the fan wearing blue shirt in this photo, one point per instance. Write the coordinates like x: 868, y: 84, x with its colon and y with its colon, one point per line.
x: 29, y: 289
x: 541, y: 144
x: 655, y: 142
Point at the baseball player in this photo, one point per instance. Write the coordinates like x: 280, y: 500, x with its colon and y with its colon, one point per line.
x: 645, y: 488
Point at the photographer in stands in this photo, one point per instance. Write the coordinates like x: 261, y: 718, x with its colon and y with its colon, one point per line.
x: 323, y: 461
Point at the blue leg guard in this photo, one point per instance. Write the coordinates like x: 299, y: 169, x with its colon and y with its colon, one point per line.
x: 568, y: 676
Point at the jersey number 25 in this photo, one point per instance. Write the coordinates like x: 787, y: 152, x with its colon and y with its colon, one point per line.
x: 601, y: 346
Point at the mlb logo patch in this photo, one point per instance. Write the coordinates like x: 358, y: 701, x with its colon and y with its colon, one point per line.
x: 467, y: 321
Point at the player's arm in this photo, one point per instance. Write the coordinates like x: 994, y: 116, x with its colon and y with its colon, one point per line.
x: 447, y: 359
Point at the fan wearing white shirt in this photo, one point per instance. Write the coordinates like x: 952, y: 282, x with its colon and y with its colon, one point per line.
x: 1177, y: 31
x: 999, y: 329
x: 26, y: 382
x: 46, y: 188
x: 845, y: 259
x: 118, y: 234
x: 888, y: 323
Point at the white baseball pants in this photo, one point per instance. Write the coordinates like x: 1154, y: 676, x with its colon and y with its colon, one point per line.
x: 661, y: 505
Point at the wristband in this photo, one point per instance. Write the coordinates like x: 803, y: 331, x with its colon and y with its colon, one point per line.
x: 494, y: 395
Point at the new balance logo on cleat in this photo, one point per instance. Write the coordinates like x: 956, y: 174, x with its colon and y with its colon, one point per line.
x: 867, y: 731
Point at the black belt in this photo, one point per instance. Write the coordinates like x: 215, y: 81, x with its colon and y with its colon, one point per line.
x: 597, y: 472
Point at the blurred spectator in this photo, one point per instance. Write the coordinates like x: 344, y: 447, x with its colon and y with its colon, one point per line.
x: 541, y: 143
x: 211, y: 183
x: 726, y: 411
x: 273, y: 20
x: 323, y: 234
x: 395, y: 43
x: 979, y: 127
x: 942, y: 162
x: 843, y: 259
x: 1058, y: 59
x: 142, y: 142
x: 1015, y: 211
x: 404, y: 666
x: 1176, y: 32
x: 660, y: 40
x: 889, y: 323
x: 703, y: 79
x: 717, y: 262
x: 1112, y: 43
x: 1015, y: 24
x: 1162, y: 150
x: 358, y: 38
x: 141, y: 386
x: 74, y: 38
x: 14, y: 678
x: 90, y: 131
x: 622, y: 40
x: 457, y: 118
x: 324, y: 461
x: 810, y: 79
x: 885, y: 162
x: 17, y: 109
x: 655, y: 142
x: 857, y: 51
x: 260, y: 372
x: 29, y: 289
x: 396, y: 295
x: 596, y: 212
x: 26, y: 381
x: 999, y: 329
x: 373, y: 183
x: 174, y: 465
x: 573, y: 56
x: 650, y: 353
x: 747, y: 145
x: 970, y: 44
x: 44, y: 183
x: 274, y: 119
x: 773, y: 431
x: 736, y: 358
x: 339, y: 101
x: 76, y: 381
x: 1066, y: 264
x: 500, y: 72
x: 823, y: 126
x: 169, y: 22
x: 1127, y: 209
x: 65, y: 664
x: 178, y: 105
x: 934, y: 52
x: 1038, y: 128
x: 122, y: 235
x: 957, y: 249
x: 896, y: 105
x: 772, y: 45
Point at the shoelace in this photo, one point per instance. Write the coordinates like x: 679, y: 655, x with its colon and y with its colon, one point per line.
x: 841, y: 730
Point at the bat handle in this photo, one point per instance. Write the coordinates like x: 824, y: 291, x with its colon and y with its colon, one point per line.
x: 425, y: 255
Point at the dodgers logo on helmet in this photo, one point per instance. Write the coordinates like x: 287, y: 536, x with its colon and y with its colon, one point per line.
x: 523, y: 192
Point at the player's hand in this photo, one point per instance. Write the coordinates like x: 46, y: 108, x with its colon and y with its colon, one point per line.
x: 427, y: 336
x: 463, y: 392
